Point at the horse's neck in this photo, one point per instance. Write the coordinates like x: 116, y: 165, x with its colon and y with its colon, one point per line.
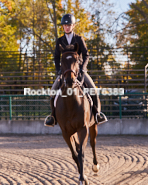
x: 72, y: 100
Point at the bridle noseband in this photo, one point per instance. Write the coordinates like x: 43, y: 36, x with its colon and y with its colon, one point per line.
x: 70, y: 70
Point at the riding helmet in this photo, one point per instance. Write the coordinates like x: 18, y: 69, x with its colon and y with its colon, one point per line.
x: 68, y: 19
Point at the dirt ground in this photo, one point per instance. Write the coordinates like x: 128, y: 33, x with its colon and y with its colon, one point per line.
x: 38, y: 160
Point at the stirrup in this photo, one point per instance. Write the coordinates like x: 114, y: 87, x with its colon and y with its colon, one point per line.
x: 46, y: 120
x: 105, y: 118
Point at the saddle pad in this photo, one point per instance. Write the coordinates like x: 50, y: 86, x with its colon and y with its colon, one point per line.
x: 57, y: 95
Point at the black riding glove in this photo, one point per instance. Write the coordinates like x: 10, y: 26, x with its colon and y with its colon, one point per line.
x: 81, y: 75
x: 59, y: 72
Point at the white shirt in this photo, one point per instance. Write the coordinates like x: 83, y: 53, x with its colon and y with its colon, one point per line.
x: 69, y: 37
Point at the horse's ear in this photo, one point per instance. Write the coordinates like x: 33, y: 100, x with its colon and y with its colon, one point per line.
x: 76, y: 47
x: 61, y: 48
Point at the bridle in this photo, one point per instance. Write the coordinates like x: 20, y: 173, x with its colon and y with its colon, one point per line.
x: 70, y: 70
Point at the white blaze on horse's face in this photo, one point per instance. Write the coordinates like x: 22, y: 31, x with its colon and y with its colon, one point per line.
x: 68, y: 57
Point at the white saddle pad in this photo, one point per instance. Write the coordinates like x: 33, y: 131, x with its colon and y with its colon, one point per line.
x: 59, y: 92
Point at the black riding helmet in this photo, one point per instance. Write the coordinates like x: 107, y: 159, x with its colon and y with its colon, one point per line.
x: 68, y: 19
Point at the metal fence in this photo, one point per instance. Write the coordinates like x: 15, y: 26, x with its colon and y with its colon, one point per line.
x: 108, y: 67
x: 20, y: 107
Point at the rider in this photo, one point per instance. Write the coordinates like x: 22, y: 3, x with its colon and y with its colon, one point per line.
x: 68, y: 22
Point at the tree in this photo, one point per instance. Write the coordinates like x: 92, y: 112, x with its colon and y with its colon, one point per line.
x: 143, y: 12
x: 33, y: 26
x: 101, y: 56
x: 135, y: 33
x: 7, y: 29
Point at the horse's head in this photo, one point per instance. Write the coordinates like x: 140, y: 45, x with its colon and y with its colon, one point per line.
x: 70, y: 63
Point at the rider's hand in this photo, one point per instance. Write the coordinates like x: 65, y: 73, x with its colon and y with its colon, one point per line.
x: 59, y: 72
x: 81, y: 75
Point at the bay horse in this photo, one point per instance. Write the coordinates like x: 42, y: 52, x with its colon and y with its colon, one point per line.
x: 73, y: 113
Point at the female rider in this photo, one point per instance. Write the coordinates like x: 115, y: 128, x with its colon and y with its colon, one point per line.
x: 68, y: 22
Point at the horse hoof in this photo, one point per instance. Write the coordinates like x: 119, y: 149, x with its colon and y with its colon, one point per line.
x: 95, y: 168
x: 81, y: 182
x: 85, y: 182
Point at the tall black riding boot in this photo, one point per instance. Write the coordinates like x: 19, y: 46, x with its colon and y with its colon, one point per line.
x: 98, y: 118
x: 50, y: 120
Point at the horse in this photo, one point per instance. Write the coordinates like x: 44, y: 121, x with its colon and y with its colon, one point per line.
x: 73, y: 112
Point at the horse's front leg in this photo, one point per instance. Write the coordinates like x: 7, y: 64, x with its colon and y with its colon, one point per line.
x: 83, y: 137
x: 93, y: 130
x: 76, y: 140
x: 71, y: 143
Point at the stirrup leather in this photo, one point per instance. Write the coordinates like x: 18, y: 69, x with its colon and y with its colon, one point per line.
x: 46, y: 120
x: 105, y: 118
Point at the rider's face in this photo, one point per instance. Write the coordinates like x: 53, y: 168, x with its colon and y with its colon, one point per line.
x: 68, y: 27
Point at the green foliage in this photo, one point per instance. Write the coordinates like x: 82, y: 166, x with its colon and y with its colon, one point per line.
x: 135, y: 33
x: 7, y: 28
x: 34, y: 26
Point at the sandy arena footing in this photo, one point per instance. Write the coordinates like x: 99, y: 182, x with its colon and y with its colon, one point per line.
x: 46, y: 160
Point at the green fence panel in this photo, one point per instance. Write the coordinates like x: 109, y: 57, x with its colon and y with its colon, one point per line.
x: 20, y: 107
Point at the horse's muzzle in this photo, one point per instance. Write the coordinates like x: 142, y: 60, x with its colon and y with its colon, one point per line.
x: 70, y: 77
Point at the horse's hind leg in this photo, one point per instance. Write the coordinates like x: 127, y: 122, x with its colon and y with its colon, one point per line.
x: 71, y: 143
x: 93, y: 134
